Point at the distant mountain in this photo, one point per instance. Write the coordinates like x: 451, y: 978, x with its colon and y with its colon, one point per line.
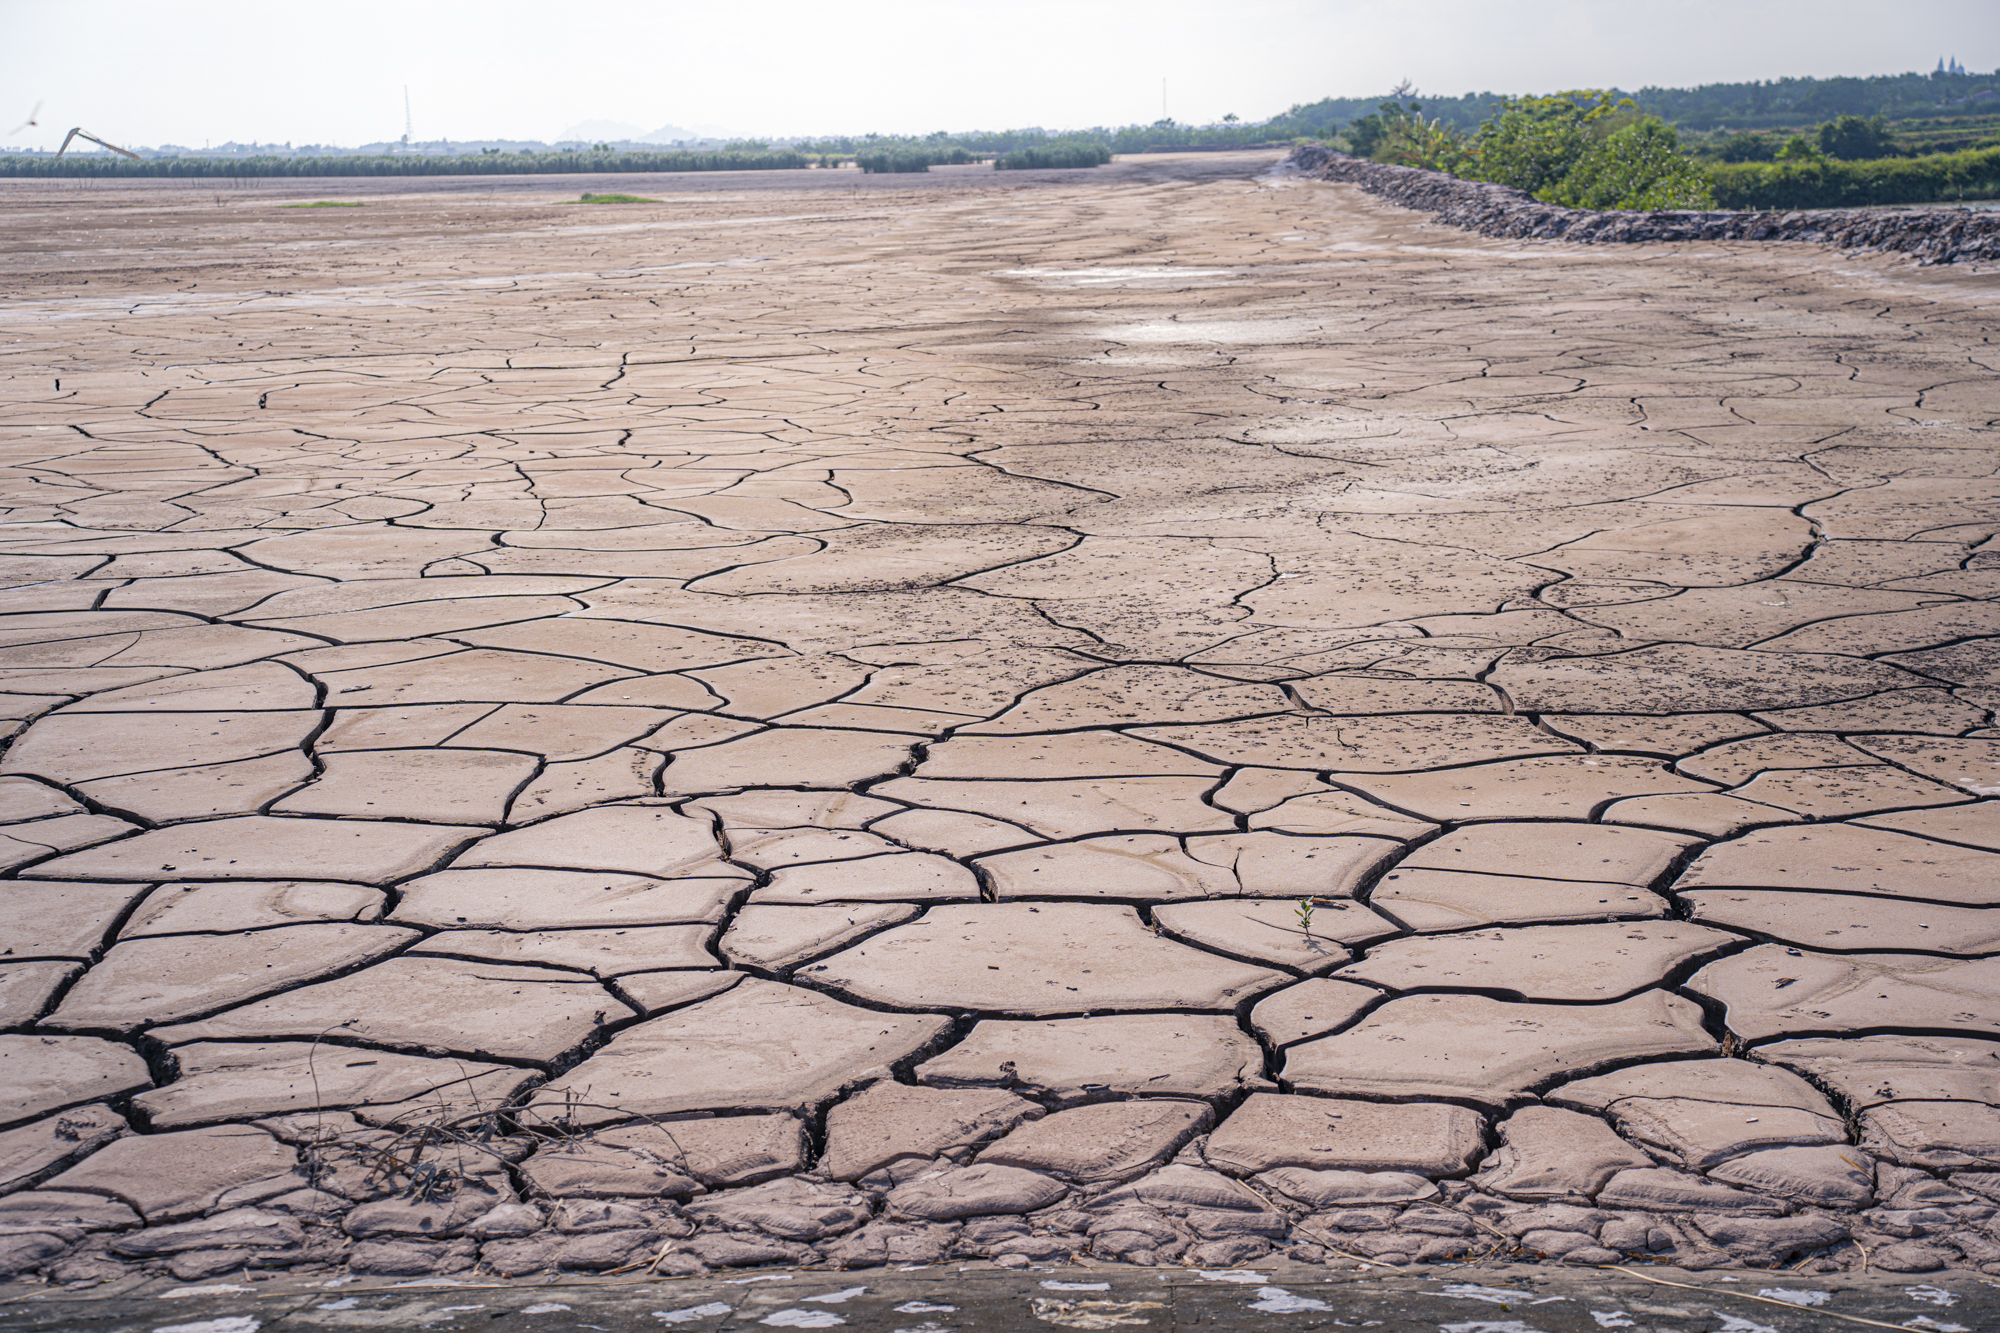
x: 601, y: 131
x: 617, y: 131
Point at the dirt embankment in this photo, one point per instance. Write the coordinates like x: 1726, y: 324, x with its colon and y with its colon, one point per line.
x: 1932, y: 235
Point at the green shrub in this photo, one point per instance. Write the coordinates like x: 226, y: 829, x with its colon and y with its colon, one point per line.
x: 1586, y: 149
x: 1535, y: 141
x: 1820, y: 182
x: 1054, y: 155
x: 1854, y: 139
x: 1639, y: 166
x: 913, y: 159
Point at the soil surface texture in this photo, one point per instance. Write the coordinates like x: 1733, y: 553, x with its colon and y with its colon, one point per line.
x: 1175, y: 714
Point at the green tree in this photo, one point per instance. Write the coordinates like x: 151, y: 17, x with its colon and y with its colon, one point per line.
x: 1853, y: 139
x: 1798, y: 148
x: 1640, y: 166
x: 1534, y: 141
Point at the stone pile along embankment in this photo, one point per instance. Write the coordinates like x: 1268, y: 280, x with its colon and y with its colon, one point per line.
x: 1934, y: 235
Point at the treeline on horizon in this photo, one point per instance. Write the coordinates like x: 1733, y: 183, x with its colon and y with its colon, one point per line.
x: 1887, y: 139
x: 563, y: 162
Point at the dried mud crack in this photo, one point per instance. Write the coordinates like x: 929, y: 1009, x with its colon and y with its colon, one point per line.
x: 1167, y: 715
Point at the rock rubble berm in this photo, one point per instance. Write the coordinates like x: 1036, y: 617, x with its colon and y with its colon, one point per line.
x: 1167, y: 715
x: 1936, y: 235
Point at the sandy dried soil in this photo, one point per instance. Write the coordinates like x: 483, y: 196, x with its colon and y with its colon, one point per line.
x: 820, y: 698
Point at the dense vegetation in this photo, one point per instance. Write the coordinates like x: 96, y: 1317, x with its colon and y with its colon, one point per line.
x: 1581, y: 149
x: 483, y: 164
x: 1826, y: 182
x: 1070, y: 154
x: 913, y: 159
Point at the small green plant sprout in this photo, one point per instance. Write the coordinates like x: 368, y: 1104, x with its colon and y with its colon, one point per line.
x: 616, y: 199
x: 1305, y: 911
x: 325, y: 203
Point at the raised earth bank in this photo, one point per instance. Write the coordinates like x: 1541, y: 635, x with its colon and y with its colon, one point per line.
x: 1933, y: 235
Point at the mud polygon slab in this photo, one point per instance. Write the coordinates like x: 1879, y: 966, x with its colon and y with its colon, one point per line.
x: 41, y: 1073
x: 435, y: 786
x: 1074, y: 809
x: 778, y: 937
x: 974, y: 1191
x: 1188, y: 1055
x: 1564, y: 787
x: 1487, y: 1050
x: 1842, y: 921
x: 267, y: 847
x: 1703, y: 1133
x: 1107, y: 1141
x: 76, y: 747
x: 1077, y: 754
x: 1711, y: 814
x: 663, y: 1157
x: 1311, y: 1008
x: 887, y: 1123
x: 241, y: 787
x: 1547, y: 850
x: 1287, y: 865
x: 1888, y: 1067
x: 475, y: 675
x: 58, y: 920
x: 1933, y: 1135
x: 1839, y: 793
x: 162, y: 978
x: 1548, y: 1153
x: 1270, y: 930
x: 1337, y: 1189
x: 773, y: 849
x: 1339, y: 812
x: 788, y: 757
x: 260, y: 686
x: 1147, y: 866
x: 1657, y: 1189
x: 1830, y: 1177
x: 1435, y: 900
x: 1364, y: 745
x: 603, y: 951
x: 1975, y: 825
x: 760, y: 1045
x: 1033, y: 959
x: 239, y: 1080
x: 952, y: 832
x: 232, y: 905
x: 657, y: 992
x: 1581, y: 963
x: 480, y: 1009
x: 514, y: 899
x: 635, y: 839
x: 1272, y: 1130
x: 166, y: 1177
x: 896, y: 877
x: 1849, y: 859
x: 1771, y: 991
x: 1125, y: 695
x: 26, y: 988
x: 1666, y: 736
x: 1686, y: 678
x: 31, y: 1149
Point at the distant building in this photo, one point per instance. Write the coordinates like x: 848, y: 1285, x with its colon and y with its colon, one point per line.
x: 1952, y: 68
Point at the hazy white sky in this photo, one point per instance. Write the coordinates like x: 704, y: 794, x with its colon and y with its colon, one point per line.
x: 196, y: 71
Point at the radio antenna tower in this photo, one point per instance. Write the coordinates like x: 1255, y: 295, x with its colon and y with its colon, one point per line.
x: 406, y: 116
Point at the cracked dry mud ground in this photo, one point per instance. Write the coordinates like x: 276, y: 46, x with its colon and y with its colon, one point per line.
x: 790, y: 725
